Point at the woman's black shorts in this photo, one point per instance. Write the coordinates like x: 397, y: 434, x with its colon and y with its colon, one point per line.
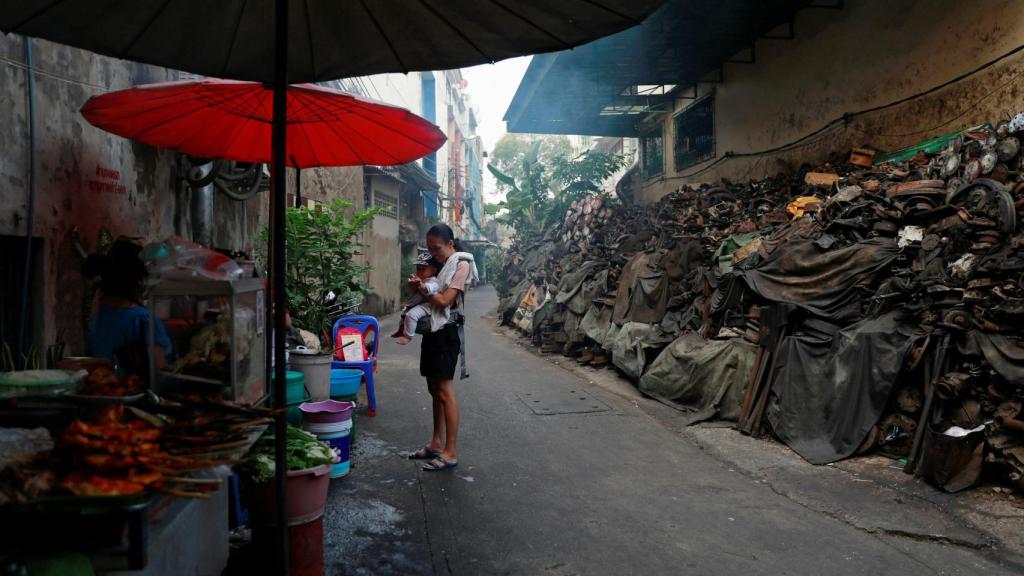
x: 440, y: 353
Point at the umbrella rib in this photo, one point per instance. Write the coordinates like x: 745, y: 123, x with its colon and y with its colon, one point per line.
x: 305, y: 136
x: 138, y: 36
x: 200, y: 100
x: 528, y: 22
x: 384, y: 35
x: 234, y: 38
x: 309, y: 36
x: 455, y: 29
x: 235, y: 136
x: 610, y: 10
x: 36, y: 14
x: 344, y: 140
x: 395, y: 131
x: 200, y: 104
x: 301, y: 128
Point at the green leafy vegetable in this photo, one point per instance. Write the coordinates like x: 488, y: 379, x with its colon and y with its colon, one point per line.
x: 304, y: 451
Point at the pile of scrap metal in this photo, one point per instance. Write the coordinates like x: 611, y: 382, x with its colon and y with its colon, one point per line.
x: 864, y: 306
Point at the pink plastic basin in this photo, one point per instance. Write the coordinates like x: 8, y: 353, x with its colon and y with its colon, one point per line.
x: 326, y: 411
x: 307, y: 497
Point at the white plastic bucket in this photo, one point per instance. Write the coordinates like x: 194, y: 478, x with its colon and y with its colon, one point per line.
x: 317, y: 371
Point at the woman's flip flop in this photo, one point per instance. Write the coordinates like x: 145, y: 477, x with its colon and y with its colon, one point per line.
x: 424, y: 453
x: 439, y: 463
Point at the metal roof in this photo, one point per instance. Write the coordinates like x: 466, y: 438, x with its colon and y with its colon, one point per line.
x: 607, y: 87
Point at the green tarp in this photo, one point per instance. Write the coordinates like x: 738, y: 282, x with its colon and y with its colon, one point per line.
x: 729, y: 246
x: 705, y: 378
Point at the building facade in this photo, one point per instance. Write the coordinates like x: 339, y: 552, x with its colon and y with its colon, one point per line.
x: 445, y: 186
x: 749, y: 89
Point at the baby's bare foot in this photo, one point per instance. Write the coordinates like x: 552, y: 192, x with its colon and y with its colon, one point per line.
x: 403, y: 340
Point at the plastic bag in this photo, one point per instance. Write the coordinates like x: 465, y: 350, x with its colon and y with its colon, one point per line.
x: 180, y: 259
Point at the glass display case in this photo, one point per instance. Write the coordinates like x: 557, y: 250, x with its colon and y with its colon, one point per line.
x: 217, y: 330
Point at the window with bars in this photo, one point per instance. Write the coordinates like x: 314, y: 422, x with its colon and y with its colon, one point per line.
x: 387, y: 205
x: 694, y: 129
x: 652, y: 158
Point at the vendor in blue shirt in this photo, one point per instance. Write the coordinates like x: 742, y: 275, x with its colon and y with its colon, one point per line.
x: 120, y: 328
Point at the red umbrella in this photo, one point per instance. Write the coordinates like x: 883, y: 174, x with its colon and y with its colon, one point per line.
x: 232, y: 120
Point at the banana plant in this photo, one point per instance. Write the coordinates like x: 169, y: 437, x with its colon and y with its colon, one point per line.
x: 539, y: 199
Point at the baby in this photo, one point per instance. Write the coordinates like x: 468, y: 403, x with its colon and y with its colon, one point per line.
x: 417, y: 306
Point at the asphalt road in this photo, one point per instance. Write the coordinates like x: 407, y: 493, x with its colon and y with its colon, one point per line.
x: 560, y: 477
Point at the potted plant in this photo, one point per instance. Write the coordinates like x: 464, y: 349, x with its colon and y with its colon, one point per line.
x: 309, y: 466
x: 322, y: 245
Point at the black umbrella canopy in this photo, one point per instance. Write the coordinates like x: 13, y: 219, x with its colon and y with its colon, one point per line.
x: 294, y: 41
x: 327, y: 39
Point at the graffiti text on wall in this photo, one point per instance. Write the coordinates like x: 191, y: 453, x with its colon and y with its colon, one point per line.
x: 106, y: 181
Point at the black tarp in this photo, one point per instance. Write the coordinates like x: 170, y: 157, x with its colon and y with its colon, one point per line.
x: 831, y: 385
x: 825, y: 283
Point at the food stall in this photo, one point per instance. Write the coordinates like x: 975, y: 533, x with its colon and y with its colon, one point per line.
x: 128, y: 471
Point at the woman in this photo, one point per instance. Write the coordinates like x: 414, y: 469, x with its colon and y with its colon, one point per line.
x: 119, y: 330
x: 441, y: 347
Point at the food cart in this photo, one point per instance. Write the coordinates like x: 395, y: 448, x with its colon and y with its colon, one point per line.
x: 130, y: 476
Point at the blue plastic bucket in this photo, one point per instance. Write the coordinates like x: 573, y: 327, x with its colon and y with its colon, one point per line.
x: 345, y: 381
x: 295, y: 387
x: 341, y: 443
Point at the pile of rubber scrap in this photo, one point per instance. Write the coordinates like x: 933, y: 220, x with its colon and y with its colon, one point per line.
x: 622, y: 263
x: 872, y: 304
x: 895, y: 319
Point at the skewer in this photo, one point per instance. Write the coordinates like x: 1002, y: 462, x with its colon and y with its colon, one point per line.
x: 183, y: 494
x: 183, y: 480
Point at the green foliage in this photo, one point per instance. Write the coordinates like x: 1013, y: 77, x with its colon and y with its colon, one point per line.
x: 544, y: 188
x: 322, y: 244
x: 496, y: 271
x: 511, y: 149
x: 492, y: 209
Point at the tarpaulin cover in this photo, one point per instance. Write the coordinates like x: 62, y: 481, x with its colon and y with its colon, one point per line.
x: 630, y: 346
x: 729, y: 246
x: 643, y: 290
x: 832, y: 385
x: 826, y: 283
x: 597, y: 325
x: 705, y: 378
x: 508, y: 306
x: 579, y: 298
x: 571, y: 283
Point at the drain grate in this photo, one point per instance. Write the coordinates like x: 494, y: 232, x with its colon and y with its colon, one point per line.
x: 561, y: 400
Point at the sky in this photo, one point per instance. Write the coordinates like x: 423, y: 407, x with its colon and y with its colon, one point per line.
x: 491, y: 87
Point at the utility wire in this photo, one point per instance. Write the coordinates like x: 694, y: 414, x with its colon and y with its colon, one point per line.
x: 846, y: 118
x: 35, y: 70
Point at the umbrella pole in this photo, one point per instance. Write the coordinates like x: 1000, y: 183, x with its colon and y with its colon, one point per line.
x: 277, y: 228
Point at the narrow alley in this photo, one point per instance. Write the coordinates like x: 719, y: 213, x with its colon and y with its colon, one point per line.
x: 559, y: 476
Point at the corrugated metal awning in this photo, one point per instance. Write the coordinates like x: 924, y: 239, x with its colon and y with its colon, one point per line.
x: 607, y: 87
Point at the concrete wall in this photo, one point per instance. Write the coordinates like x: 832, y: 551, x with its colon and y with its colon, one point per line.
x: 88, y: 179
x: 384, y: 253
x: 867, y: 54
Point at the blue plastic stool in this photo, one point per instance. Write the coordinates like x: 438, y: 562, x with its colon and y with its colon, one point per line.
x: 364, y: 324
